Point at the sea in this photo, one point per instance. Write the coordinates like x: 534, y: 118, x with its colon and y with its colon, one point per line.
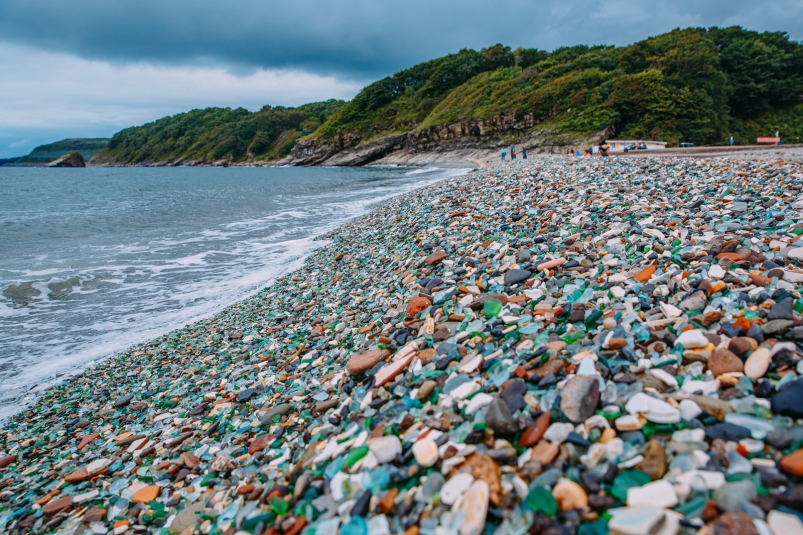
x: 94, y: 260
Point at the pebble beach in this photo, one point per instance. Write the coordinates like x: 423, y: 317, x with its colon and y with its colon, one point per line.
x: 550, y: 346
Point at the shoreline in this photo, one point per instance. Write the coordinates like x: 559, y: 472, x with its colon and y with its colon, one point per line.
x: 45, y: 381
x: 432, y: 337
x: 478, y: 158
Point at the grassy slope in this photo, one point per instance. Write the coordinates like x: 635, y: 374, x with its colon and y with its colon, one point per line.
x: 693, y: 85
x: 47, y: 153
x: 216, y: 133
x: 696, y: 85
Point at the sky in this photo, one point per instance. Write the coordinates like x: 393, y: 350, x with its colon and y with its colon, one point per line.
x: 91, y: 68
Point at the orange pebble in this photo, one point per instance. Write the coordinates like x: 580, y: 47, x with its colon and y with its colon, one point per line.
x: 645, y: 274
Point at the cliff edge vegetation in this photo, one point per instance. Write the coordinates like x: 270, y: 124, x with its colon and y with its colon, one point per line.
x: 215, y: 134
x: 693, y: 85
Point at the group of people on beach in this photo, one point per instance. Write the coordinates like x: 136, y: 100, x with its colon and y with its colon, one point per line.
x: 513, y: 153
x: 602, y: 150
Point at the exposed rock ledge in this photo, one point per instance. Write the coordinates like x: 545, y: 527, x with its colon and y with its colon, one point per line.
x: 71, y: 159
x: 467, y: 140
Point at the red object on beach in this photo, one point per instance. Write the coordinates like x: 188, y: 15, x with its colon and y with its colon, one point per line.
x: 768, y: 140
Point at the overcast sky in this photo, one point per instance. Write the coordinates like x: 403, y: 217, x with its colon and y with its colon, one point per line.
x: 90, y: 68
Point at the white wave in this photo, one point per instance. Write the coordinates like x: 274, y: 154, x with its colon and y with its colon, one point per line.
x: 139, y: 292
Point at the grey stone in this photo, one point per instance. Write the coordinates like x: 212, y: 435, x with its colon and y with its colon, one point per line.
x: 730, y: 495
x: 579, y: 398
x: 499, y: 418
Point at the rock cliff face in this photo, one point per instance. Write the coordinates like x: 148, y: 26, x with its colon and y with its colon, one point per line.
x: 465, y: 137
x: 71, y: 159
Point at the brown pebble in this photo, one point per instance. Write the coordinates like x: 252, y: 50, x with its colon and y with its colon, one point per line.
x: 535, y: 431
x: 388, y: 501
x: 260, y: 443
x: 54, y: 506
x: 362, y: 362
x: 545, y: 452
x: 724, y: 361
x: 436, y: 257
x: 417, y: 304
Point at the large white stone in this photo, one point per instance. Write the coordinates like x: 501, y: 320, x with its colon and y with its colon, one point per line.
x: 455, y: 487
x: 385, y: 448
x: 692, y: 339
x: 654, y: 410
x: 702, y: 479
x: 670, y: 311
x: 475, y: 507
x: 425, y: 452
x: 664, y: 377
x: 557, y: 433
x: 784, y: 523
x: 716, y: 272
x: 659, y: 494
x: 757, y: 363
x: 636, y: 521
x: 689, y: 410
x: 465, y: 390
x: 477, y: 402
x: 796, y: 253
x: 706, y: 387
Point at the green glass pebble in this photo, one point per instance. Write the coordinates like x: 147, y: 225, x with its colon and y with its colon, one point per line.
x: 541, y: 500
x: 492, y: 307
x: 593, y: 528
x: 626, y: 480
x: 355, y: 455
x: 279, y: 505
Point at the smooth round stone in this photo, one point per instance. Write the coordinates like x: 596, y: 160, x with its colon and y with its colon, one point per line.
x: 362, y: 362
x: 386, y: 448
x: 757, y: 363
x: 608, y: 323
x: 455, y: 487
x: 784, y: 523
x: 569, y: 495
x: 475, y: 507
x: 425, y: 452
x: 426, y: 389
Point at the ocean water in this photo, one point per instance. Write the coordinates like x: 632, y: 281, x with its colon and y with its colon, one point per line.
x: 94, y: 260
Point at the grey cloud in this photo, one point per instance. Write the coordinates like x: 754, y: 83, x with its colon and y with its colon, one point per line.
x: 359, y: 39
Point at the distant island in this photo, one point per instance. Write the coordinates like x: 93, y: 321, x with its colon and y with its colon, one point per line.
x: 694, y: 85
x: 45, y: 154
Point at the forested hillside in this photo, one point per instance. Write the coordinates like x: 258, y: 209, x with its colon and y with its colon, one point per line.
x: 694, y: 85
x: 220, y: 133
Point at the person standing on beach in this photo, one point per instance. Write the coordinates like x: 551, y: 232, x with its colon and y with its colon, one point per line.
x: 504, y: 153
x: 731, y: 140
x: 523, y: 154
x: 513, y: 152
